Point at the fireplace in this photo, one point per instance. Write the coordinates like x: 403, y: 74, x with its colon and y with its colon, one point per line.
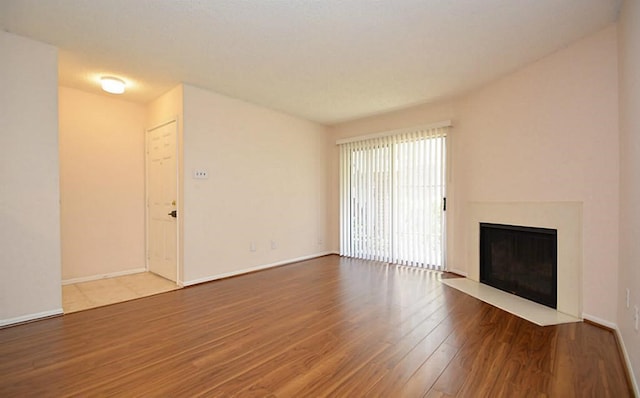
x: 520, y: 260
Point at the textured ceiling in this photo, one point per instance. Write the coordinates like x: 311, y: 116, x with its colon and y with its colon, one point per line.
x: 326, y: 61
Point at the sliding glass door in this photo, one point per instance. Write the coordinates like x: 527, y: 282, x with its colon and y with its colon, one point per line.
x: 392, y: 197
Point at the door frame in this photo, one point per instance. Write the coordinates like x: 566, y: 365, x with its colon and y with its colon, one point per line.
x: 178, y: 280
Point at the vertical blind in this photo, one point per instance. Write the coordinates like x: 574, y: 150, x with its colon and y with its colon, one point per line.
x: 392, y: 190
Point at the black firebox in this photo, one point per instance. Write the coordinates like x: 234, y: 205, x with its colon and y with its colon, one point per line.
x: 520, y: 260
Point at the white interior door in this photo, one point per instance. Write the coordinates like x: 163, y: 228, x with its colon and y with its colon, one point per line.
x: 162, y: 194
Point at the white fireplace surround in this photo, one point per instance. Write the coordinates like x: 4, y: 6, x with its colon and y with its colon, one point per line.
x: 565, y: 217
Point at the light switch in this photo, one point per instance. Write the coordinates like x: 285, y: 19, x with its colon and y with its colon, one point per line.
x: 200, y: 174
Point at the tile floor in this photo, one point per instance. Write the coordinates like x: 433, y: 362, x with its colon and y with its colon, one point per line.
x: 85, y: 295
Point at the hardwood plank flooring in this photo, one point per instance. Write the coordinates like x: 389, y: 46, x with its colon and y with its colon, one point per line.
x: 324, y: 327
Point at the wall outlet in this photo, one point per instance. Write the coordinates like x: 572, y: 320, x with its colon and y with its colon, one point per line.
x: 274, y: 245
x: 636, y: 316
x: 252, y: 246
x: 200, y: 174
x: 628, y: 297
x: 320, y: 241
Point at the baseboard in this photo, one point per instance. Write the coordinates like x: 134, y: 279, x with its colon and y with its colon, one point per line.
x: 627, y: 360
x: 103, y: 276
x: 30, y: 317
x: 599, y: 321
x: 621, y: 347
x: 253, y: 269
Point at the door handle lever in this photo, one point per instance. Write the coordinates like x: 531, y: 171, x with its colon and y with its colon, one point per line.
x: 174, y: 213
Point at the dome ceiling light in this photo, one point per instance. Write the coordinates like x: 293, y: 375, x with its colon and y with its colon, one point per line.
x: 112, y: 85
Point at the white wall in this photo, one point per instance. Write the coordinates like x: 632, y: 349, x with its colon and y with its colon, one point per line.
x: 101, y: 184
x: 29, y: 195
x: 267, y: 181
x: 546, y: 133
x: 167, y: 107
x: 549, y: 133
x: 629, y: 277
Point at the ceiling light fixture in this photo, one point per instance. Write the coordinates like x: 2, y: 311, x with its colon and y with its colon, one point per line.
x: 112, y: 85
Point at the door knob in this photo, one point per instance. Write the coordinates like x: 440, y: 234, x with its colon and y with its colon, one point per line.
x: 174, y: 213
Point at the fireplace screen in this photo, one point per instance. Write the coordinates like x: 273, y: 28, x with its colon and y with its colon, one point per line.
x: 520, y: 260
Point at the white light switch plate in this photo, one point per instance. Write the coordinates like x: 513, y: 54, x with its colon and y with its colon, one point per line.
x: 200, y: 174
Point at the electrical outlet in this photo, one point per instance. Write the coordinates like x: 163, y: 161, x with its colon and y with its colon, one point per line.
x: 200, y: 174
x: 274, y: 245
x: 320, y: 241
x: 628, y: 297
x: 636, y: 316
x: 252, y: 246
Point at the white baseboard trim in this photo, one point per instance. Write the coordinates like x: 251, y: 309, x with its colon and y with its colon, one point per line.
x: 627, y: 360
x: 103, y: 276
x: 599, y: 321
x: 30, y: 317
x: 623, y: 348
x: 252, y: 269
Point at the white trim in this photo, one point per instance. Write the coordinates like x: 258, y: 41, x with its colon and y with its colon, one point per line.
x: 627, y: 360
x: 623, y: 348
x: 252, y: 269
x: 162, y: 124
x: 30, y: 317
x: 444, y: 123
x: 599, y: 321
x: 179, y: 199
x: 103, y: 276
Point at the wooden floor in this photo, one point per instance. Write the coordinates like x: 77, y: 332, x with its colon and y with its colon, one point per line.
x: 324, y: 327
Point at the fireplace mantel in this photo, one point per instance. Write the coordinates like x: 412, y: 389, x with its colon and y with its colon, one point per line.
x: 565, y: 217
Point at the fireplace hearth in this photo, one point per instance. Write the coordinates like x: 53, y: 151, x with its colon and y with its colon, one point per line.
x: 520, y: 260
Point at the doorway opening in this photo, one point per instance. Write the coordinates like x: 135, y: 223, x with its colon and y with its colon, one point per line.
x: 102, y: 149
